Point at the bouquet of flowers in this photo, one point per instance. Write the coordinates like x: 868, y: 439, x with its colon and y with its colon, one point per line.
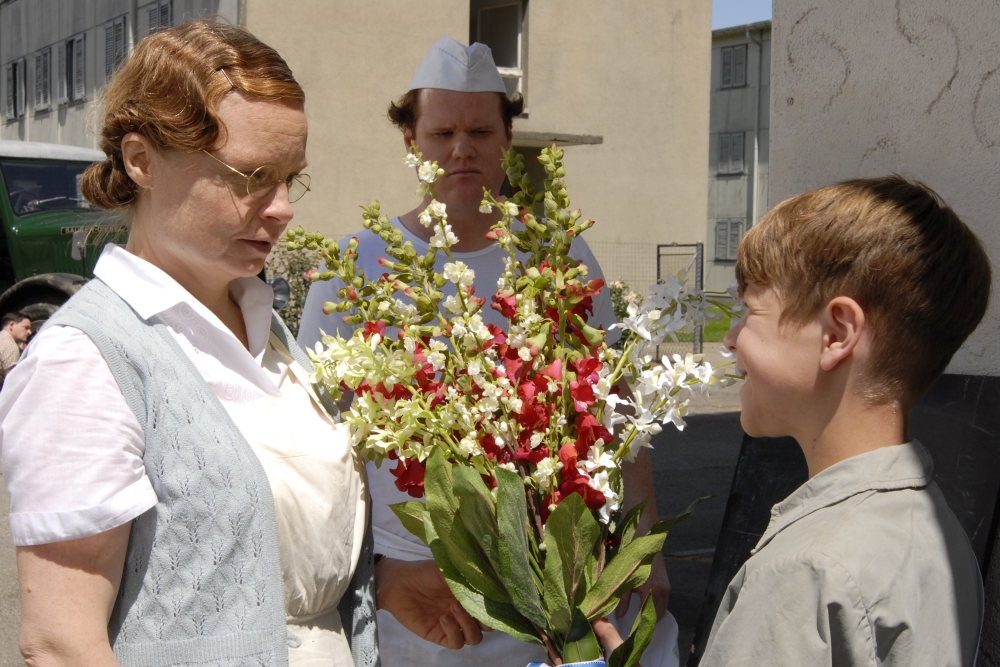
x: 509, y: 435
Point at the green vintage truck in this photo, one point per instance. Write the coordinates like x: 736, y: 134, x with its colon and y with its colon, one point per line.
x: 51, y: 235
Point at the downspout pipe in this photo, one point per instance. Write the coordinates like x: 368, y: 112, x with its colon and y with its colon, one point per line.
x: 756, y: 127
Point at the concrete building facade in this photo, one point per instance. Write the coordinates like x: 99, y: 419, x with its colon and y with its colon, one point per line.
x: 738, y: 144
x: 620, y: 85
x: 57, y: 55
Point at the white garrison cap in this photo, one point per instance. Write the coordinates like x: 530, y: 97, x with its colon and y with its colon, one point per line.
x: 453, y: 66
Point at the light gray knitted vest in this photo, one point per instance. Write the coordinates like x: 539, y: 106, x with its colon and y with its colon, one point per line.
x: 202, y: 580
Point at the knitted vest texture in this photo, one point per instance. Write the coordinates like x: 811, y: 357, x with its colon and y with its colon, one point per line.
x: 202, y: 580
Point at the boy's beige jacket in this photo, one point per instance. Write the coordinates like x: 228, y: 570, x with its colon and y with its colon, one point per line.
x: 864, y: 564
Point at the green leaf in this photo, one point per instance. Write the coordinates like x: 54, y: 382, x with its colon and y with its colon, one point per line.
x: 630, y: 568
x: 464, y: 552
x: 411, y: 515
x: 627, y: 527
x: 662, y: 526
x: 477, y: 511
x: 630, y: 651
x: 516, y: 572
x: 498, y: 615
x: 570, y: 536
x: 581, y: 643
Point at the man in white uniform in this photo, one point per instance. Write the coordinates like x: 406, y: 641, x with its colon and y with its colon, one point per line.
x: 459, y: 115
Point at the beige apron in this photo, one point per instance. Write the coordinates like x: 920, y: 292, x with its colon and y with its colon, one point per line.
x: 320, y: 498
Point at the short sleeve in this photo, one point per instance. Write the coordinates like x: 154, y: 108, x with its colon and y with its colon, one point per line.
x: 604, y: 310
x: 70, y: 447
x: 798, y: 610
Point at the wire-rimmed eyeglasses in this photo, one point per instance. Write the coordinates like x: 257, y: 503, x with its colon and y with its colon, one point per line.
x: 263, y: 179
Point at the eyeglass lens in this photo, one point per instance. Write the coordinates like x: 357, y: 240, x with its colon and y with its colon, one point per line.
x: 266, y: 177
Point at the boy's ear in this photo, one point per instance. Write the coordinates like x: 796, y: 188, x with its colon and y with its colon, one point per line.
x: 844, y: 327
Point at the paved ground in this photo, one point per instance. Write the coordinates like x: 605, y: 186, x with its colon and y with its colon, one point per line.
x: 686, y: 465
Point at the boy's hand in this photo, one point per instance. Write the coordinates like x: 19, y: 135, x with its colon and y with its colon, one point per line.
x: 608, y: 636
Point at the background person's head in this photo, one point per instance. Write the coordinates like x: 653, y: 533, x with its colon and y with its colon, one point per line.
x: 458, y: 113
x: 918, y: 272
x: 187, y: 103
x: 18, y: 325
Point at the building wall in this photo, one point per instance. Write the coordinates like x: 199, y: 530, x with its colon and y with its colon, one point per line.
x: 733, y: 110
x: 871, y: 87
x: 29, y: 25
x: 631, y: 72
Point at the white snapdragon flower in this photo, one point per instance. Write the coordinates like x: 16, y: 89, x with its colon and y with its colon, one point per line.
x: 459, y: 273
x: 428, y: 172
x: 508, y: 466
x: 469, y: 447
x: 485, y: 207
x: 475, y: 367
x: 438, y: 209
x: 516, y: 337
x: 524, y: 353
x: 545, y: 471
x: 411, y: 160
x: 536, y: 440
x: 510, y: 208
x: 425, y: 218
x: 443, y: 237
x: 453, y: 304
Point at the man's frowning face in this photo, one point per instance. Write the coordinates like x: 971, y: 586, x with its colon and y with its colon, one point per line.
x: 465, y: 134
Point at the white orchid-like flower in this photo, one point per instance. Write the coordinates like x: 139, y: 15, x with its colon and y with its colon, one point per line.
x: 459, y: 273
x: 429, y: 171
x: 602, y: 482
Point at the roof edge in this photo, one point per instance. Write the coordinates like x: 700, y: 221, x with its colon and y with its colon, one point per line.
x: 740, y: 29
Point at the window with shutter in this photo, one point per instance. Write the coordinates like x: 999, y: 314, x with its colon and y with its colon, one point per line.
x: 721, y: 239
x: 734, y: 66
x: 724, y: 150
x: 158, y: 15
x: 9, y: 113
x: 47, y: 77
x: 79, y: 68
x: 499, y: 26
x: 739, y: 65
x: 19, y: 87
x: 61, y: 95
x: 735, y: 234
x: 736, y: 153
x: 109, y: 50
x: 120, y: 45
x: 38, y: 81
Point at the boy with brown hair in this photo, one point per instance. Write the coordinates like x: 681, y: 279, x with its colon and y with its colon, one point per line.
x: 857, y: 297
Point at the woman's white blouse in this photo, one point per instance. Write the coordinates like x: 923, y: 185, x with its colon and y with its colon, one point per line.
x: 71, y: 449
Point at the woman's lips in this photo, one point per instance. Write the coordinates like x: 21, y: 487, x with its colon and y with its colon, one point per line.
x: 261, y: 246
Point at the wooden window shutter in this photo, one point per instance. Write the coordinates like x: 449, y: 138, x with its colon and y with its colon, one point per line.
x: 721, y: 239
x: 38, y: 80
x: 164, y: 13
x: 119, y: 42
x: 109, y: 50
x: 61, y: 72
x: 735, y: 229
x: 154, y: 19
x: 47, y: 75
x: 724, y: 153
x: 736, y: 153
x: 19, y: 87
x: 727, y: 67
x: 79, y: 69
x: 740, y: 65
x: 9, y: 113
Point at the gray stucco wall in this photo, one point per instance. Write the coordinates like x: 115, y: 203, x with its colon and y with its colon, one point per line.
x: 870, y: 87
